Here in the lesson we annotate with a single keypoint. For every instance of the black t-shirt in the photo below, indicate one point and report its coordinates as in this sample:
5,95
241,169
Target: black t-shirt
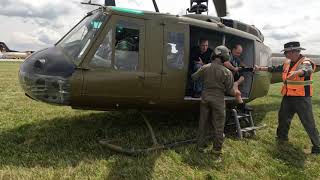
206,56
235,61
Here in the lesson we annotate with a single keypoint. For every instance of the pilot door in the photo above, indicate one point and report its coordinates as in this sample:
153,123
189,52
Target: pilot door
115,73
175,61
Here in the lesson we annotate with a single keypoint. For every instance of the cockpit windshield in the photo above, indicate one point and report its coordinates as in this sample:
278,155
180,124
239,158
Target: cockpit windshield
77,41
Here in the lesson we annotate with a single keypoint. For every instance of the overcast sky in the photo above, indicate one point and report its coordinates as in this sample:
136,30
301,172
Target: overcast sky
35,24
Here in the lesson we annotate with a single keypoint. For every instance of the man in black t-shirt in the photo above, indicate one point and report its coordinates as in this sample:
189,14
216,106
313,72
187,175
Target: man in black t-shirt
235,65
199,56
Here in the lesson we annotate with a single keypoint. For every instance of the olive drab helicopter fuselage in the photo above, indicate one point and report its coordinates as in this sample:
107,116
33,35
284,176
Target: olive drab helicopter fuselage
117,58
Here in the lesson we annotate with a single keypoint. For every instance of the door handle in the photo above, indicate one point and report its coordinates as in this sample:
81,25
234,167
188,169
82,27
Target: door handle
83,68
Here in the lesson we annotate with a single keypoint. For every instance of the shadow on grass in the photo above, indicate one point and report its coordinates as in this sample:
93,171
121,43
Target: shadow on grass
261,110
290,155
200,160
68,141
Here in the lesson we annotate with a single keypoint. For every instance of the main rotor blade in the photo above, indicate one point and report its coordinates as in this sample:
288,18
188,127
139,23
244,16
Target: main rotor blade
155,5
110,3
221,7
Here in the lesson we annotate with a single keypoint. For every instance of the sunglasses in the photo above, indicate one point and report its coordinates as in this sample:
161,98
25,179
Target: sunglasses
287,52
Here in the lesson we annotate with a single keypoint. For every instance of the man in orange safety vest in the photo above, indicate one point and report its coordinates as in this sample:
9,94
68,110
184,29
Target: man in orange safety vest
297,92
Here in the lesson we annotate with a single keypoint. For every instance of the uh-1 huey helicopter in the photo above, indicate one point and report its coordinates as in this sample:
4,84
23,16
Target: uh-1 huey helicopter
117,58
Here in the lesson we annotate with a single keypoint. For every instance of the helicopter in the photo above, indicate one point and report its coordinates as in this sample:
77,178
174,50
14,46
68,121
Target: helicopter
118,58
7,53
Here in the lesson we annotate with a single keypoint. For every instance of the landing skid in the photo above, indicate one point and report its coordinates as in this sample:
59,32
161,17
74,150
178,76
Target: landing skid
154,147
243,122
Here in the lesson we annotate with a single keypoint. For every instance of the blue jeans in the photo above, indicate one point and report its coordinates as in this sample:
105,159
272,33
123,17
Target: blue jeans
198,84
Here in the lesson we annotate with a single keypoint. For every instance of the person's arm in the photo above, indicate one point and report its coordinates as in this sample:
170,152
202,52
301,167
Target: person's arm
228,65
305,69
228,83
278,68
199,61
198,73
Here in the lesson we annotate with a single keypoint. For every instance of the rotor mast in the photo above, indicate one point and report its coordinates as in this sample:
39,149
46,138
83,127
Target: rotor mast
201,6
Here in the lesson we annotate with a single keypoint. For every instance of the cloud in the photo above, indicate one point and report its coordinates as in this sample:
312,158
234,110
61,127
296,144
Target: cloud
46,39
282,35
138,3
272,27
21,9
26,41
33,12
235,4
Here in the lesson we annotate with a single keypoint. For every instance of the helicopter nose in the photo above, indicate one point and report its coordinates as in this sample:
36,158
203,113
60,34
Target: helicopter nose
45,76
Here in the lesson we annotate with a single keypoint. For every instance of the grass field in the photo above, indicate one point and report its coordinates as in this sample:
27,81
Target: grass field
41,141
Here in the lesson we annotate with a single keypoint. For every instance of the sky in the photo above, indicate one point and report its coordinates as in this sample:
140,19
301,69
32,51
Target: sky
35,24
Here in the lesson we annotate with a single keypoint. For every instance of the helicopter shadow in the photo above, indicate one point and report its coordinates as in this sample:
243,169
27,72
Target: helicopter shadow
261,110
64,142
168,127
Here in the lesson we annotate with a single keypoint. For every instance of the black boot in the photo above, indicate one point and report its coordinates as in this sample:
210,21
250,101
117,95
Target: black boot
315,150
247,108
242,107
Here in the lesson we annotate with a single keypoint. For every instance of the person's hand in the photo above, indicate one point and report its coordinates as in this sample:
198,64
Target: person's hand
256,68
292,74
200,61
236,69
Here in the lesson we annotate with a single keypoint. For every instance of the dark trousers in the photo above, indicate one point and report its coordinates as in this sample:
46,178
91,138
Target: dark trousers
303,107
212,111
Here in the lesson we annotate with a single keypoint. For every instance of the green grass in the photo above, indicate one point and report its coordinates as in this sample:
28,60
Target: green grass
41,141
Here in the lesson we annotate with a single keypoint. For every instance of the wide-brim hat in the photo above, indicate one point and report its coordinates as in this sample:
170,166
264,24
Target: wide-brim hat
291,46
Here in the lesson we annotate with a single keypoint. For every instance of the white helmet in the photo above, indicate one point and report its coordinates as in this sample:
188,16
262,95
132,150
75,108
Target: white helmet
223,52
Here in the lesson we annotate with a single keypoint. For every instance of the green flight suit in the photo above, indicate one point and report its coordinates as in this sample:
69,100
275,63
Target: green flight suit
217,81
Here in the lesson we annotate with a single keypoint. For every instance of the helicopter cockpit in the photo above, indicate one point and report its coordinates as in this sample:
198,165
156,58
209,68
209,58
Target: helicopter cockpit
77,40
46,74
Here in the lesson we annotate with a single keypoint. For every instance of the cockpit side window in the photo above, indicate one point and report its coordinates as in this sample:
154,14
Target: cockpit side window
77,41
103,56
127,46
175,50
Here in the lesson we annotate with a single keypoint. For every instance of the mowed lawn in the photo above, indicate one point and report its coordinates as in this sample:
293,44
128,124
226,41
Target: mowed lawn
41,141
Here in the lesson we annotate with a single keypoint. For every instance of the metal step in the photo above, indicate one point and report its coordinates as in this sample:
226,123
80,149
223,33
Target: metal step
242,115
247,129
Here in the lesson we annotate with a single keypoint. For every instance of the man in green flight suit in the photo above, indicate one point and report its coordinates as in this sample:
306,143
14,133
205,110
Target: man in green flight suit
217,81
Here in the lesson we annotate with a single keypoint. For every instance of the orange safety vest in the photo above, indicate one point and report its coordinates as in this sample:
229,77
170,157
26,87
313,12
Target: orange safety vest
296,86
